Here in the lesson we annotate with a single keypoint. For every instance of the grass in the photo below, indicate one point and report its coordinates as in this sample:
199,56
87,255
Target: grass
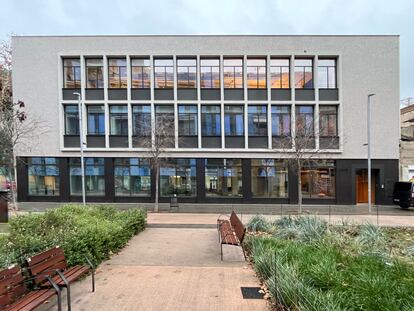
307,265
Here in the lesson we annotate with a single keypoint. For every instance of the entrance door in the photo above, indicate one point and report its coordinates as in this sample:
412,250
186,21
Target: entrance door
362,186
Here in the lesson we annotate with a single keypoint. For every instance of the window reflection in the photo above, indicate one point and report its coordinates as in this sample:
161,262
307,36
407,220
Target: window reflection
117,73
178,176
164,73
96,120
210,120
303,73
71,73
132,177
304,121
269,178
318,180
281,121
118,118
94,76
233,73
71,120
210,73
327,73
257,120
43,176
328,123
187,120
140,73
94,176
186,73
141,120
223,178
234,120
256,73
279,73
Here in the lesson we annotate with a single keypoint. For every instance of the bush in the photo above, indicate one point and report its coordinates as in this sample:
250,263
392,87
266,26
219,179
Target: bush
303,228
258,223
93,231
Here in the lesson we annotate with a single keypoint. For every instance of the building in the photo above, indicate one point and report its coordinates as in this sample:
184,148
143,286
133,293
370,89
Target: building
232,99
407,143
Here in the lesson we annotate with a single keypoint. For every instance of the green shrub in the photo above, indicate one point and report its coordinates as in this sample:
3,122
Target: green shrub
93,231
303,228
258,223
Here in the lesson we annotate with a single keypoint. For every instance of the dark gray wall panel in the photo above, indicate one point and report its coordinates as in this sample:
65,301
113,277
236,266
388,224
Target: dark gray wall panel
71,141
210,94
67,94
257,94
328,94
281,94
233,94
94,94
118,141
329,142
211,142
164,94
117,94
258,142
140,94
234,142
188,142
94,141
187,94
304,94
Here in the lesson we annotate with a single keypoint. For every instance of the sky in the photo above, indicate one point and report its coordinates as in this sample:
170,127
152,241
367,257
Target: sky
296,17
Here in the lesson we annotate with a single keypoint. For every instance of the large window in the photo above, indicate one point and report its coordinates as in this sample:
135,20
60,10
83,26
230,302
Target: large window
71,120
117,73
210,73
140,73
94,176
71,73
141,120
318,180
327,73
164,73
96,120
256,73
233,73
304,121
94,76
279,73
132,177
233,120
187,120
210,120
269,178
43,174
223,178
281,121
328,121
186,73
118,118
304,73
178,176
257,120
164,118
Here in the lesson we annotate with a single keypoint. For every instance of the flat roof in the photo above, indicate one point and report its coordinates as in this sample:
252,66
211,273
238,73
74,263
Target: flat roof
203,35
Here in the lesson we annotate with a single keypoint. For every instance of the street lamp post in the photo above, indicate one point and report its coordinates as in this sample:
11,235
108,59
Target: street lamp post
81,146
369,149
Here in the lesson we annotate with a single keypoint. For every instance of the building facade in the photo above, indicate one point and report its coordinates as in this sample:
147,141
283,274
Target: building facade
231,101
407,143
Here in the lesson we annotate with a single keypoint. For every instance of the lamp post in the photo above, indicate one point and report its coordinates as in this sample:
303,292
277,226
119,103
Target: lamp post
81,146
369,148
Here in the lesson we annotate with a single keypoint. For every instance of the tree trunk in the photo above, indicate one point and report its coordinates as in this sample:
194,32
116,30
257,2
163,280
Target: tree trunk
12,179
156,187
299,168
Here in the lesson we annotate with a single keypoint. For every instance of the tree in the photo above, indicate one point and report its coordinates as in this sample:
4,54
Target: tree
156,136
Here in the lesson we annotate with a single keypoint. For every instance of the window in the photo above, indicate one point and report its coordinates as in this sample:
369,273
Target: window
223,178
178,176
71,73
141,120
164,73
303,73
269,178
256,73
140,73
279,73
233,120
132,177
94,176
210,73
118,118
328,124
117,73
187,120
233,73
257,120
96,120
281,121
43,174
327,73
210,120
164,118
318,180
186,73
71,120
304,121
94,76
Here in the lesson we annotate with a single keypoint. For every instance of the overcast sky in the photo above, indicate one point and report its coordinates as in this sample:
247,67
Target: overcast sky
64,17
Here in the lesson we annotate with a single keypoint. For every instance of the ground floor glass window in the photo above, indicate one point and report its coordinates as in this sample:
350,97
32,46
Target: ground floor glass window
178,176
94,176
132,177
223,178
43,176
269,178
318,180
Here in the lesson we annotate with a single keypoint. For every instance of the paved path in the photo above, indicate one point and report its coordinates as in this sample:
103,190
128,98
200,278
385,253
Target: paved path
173,269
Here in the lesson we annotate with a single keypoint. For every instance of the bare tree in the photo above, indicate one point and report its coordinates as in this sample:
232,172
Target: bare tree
156,136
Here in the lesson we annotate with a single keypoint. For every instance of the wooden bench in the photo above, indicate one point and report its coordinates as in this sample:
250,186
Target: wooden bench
231,231
52,264
14,294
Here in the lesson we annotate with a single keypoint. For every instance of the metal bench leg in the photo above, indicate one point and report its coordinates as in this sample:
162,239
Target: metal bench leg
58,293
244,252
67,289
93,273
221,244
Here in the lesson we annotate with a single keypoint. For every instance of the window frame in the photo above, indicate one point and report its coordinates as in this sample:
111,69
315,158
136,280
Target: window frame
258,131
233,76
281,119
188,85
328,115
112,114
143,115
145,84
328,87
257,74
43,168
234,114
77,132
88,114
212,86
164,73
140,163
303,74
186,132
305,114
225,165
119,69
272,74
214,116
97,69
77,82
279,167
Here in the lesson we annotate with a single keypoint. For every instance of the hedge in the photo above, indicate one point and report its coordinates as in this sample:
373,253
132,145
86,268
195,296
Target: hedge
93,231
